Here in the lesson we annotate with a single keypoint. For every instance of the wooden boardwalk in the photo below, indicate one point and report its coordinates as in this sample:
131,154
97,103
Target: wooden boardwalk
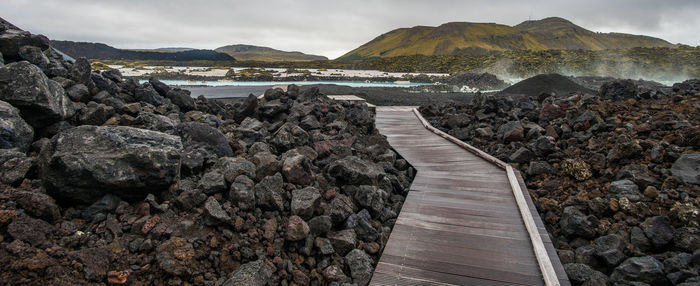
460,223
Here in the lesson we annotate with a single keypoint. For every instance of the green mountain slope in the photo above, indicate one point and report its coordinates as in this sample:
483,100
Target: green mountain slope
265,54
461,37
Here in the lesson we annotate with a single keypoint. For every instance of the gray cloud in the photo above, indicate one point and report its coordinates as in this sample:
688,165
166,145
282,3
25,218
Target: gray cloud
329,28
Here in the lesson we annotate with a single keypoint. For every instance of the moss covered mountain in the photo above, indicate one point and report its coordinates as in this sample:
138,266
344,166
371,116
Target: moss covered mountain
265,54
475,38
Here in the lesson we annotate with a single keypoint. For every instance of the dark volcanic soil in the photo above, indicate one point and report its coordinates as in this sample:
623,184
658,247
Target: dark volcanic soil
545,83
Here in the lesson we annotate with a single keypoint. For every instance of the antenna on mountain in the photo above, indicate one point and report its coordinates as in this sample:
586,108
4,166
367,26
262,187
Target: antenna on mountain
529,18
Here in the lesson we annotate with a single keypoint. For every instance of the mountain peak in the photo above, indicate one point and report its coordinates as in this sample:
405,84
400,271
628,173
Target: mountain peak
553,33
266,54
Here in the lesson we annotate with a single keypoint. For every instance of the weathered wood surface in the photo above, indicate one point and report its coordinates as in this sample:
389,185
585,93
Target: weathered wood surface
460,224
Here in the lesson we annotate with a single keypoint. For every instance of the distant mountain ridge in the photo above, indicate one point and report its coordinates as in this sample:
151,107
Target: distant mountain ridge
464,37
266,54
99,51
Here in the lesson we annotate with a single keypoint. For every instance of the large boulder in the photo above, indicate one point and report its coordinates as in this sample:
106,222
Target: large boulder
41,101
181,98
355,171
687,168
14,131
84,163
256,273
643,269
200,135
12,40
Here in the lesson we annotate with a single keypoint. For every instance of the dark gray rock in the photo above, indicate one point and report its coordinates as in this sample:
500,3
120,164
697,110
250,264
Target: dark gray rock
155,122
269,193
658,229
639,240
241,192
147,94
266,164
256,273
212,182
234,167
247,108
522,155
610,248
362,224
40,100
343,241
14,131
618,90
159,86
355,171
625,189
305,201
580,273
324,245
370,197
84,163
687,168
80,72
340,208
101,83
214,211
687,238
360,265
104,205
34,55
30,230
574,223
95,113
113,74
643,269
181,98
289,136
199,135
14,167
79,92
512,131
539,167
297,170
320,225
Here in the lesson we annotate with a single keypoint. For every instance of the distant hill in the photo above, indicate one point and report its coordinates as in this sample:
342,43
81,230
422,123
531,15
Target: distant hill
463,37
99,51
265,54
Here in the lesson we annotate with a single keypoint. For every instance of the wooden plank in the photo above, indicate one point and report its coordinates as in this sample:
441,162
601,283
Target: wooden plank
460,223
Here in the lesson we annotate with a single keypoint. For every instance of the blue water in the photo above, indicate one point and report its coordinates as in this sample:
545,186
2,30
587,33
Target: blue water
269,83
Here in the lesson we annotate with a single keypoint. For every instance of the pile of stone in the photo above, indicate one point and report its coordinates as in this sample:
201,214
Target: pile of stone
110,180
615,174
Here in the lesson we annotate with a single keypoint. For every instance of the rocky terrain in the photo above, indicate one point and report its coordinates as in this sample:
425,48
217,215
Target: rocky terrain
615,174
105,180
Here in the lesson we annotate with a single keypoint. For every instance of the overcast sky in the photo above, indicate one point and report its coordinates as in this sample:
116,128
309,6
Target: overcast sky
329,28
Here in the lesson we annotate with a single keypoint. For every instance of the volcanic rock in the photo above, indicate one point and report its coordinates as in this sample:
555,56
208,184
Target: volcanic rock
84,163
